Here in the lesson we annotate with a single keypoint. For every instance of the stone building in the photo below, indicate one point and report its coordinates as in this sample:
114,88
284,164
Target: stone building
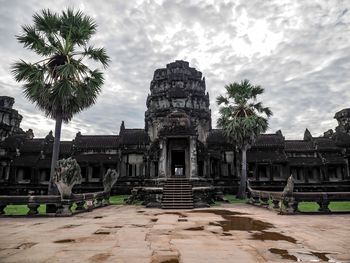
177,141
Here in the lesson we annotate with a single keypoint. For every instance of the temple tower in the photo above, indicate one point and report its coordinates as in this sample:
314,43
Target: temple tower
178,117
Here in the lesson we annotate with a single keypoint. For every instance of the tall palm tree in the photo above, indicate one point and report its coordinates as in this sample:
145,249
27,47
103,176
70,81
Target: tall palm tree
242,119
60,83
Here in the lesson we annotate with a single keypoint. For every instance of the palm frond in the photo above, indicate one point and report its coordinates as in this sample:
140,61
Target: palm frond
32,39
97,54
47,22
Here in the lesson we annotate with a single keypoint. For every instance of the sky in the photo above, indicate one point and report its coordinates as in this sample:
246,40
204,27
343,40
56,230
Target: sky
298,51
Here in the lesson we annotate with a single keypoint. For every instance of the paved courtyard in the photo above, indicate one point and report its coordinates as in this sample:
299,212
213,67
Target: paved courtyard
231,233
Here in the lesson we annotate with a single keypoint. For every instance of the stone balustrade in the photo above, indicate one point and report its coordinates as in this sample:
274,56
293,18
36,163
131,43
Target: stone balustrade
288,204
84,202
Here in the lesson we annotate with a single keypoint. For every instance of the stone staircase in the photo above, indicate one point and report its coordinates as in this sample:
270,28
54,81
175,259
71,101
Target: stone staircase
177,194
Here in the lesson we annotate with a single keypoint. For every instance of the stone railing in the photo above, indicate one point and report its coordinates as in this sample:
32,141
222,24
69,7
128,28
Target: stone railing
84,202
288,203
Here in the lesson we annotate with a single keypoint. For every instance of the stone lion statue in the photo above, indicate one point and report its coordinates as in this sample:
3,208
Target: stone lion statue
67,174
109,179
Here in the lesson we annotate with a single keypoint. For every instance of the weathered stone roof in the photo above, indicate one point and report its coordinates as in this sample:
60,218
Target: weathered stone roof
134,137
304,161
299,146
97,158
96,141
269,140
25,160
324,144
31,146
216,136
266,156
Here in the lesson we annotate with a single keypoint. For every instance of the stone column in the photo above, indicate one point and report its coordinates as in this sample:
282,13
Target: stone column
162,159
193,157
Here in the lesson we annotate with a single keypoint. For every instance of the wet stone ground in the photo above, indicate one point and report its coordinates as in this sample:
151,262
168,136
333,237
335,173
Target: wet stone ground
232,233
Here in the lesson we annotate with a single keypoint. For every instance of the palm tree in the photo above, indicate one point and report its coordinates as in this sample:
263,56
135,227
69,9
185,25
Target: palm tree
60,83
242,119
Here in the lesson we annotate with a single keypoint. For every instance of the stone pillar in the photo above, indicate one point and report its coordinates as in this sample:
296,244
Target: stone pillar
193,157
162,159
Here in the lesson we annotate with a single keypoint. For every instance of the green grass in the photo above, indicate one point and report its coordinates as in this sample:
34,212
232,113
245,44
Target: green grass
308,207
232,200
333,206
117,199
23,209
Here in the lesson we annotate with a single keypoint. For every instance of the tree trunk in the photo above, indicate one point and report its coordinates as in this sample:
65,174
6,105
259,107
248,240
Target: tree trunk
55,153
243,183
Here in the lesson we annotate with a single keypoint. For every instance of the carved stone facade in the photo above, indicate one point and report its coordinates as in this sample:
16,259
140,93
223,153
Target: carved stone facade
10,119
178,141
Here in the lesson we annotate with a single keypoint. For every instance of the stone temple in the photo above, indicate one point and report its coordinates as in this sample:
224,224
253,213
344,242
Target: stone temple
177,141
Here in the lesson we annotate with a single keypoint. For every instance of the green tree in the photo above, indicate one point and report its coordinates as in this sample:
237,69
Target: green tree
60,83
242,119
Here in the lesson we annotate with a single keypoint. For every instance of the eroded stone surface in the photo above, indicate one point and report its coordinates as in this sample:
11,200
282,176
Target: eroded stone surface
138,237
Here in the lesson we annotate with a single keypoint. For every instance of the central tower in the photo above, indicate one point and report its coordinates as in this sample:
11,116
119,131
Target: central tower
178,117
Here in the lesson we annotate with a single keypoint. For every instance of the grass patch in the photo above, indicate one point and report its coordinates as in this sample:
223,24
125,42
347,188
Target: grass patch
339,206
15,210
308,207
234,200
333,206
118,199
19,210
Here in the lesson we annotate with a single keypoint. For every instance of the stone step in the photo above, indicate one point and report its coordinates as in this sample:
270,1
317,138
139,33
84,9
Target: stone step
177,207
177,194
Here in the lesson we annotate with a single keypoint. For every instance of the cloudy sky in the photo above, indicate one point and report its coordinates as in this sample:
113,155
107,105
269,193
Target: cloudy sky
299,51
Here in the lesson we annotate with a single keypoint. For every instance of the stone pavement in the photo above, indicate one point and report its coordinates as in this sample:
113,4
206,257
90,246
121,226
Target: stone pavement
231,233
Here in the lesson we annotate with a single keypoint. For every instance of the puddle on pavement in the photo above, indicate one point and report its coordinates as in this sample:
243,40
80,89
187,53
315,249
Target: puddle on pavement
283,253
196,228
240,223
173,260
67,240
319,256
172,213
112,226
100,257
220,212
102,232
26,245
272,236
68,226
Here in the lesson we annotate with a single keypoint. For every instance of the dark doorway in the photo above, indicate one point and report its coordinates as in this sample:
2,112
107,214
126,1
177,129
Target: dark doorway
177,163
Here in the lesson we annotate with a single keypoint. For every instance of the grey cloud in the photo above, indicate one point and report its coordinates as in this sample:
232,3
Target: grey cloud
305,76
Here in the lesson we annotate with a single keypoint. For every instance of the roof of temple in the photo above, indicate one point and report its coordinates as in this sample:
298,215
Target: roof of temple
33,145
304,161
96,141
216,136
134,137
13,141
333,159
97,158
298,146
265,156
25,160
325,144
269,140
